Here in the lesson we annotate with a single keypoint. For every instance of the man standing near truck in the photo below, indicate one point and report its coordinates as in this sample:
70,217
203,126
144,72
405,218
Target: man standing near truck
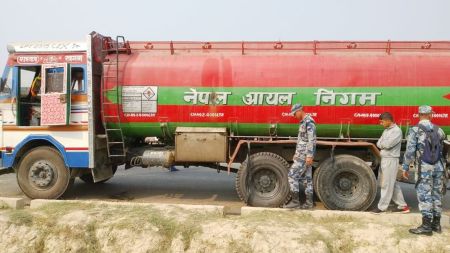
425,144
390,144
301,169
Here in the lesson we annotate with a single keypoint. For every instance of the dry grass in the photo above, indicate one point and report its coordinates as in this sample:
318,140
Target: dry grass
3,205
334,234
285,218
92,242
239,246
62,208
20,218
103,224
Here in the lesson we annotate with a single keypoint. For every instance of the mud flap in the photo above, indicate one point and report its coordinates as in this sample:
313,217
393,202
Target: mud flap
103,167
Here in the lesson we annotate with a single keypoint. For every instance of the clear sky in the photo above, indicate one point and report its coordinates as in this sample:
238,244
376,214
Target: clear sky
31,20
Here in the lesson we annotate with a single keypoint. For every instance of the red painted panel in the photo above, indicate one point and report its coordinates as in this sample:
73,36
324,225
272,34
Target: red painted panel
287,70
280,114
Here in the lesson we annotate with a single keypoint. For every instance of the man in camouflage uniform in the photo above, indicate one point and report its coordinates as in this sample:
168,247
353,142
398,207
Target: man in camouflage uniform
430,185
301,169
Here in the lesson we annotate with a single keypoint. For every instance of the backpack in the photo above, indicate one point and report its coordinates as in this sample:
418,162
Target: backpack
433,147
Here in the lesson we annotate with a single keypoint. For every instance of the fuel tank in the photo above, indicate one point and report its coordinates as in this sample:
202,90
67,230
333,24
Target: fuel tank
249,87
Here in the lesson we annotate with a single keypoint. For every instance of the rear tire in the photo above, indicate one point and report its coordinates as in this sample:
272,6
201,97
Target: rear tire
315,182
42,174
349,184
268,185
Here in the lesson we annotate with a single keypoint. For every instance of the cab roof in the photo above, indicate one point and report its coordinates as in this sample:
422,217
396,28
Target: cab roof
47,46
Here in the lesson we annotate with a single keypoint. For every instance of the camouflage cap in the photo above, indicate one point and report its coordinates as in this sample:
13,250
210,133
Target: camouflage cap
295,108
425,109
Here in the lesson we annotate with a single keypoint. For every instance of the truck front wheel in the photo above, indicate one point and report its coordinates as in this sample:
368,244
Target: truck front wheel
263,181
42,174
345,183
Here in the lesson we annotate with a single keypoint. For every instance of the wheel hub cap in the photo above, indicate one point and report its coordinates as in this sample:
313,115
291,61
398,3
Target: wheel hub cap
265,181
41,174
345,184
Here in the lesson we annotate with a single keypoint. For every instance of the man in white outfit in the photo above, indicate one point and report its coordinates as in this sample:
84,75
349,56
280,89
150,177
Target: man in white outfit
390,145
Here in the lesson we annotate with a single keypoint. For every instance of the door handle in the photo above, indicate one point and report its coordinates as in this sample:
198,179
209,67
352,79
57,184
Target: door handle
62,98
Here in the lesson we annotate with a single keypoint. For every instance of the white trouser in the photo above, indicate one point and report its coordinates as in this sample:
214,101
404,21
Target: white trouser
390,188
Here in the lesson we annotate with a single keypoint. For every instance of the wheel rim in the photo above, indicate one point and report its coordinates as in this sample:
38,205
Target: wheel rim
265,183
346,185
42,175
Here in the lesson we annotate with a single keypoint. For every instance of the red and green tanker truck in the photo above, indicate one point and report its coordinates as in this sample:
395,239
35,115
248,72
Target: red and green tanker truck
80,109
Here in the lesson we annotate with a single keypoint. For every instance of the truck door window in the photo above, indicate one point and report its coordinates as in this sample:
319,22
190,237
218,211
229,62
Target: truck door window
54,80
29,94
77,81
29,78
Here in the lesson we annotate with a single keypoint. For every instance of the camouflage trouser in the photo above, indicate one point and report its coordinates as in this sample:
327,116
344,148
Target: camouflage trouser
300,172
429,191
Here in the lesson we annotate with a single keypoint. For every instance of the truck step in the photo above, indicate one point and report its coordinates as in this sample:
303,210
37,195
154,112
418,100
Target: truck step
116,155
112,62
113,129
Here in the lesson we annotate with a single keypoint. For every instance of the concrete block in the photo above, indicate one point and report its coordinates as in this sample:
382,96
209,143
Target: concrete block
37,203
167,206
15,203
249,210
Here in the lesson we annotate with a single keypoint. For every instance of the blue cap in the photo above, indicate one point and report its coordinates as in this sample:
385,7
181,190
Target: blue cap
425,109
295,108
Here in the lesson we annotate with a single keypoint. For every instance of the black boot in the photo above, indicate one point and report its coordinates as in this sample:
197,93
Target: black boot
424,229
309,204
436,224
294,203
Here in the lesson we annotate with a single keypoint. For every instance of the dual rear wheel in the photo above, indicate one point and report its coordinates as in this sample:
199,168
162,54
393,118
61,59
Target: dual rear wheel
343,183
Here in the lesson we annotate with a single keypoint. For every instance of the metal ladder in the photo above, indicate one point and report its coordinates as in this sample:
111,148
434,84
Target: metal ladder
111,110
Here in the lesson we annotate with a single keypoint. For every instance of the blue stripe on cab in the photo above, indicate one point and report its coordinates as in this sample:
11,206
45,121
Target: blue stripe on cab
78,159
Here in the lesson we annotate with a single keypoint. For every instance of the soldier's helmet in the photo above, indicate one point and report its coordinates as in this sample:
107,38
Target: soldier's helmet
295,108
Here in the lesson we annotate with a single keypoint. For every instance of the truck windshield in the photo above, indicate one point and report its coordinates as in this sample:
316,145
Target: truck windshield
6,82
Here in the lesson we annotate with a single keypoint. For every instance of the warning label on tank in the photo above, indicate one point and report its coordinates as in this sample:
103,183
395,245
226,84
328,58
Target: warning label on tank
139,100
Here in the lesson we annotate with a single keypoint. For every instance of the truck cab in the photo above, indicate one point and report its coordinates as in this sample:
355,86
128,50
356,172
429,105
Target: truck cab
44,111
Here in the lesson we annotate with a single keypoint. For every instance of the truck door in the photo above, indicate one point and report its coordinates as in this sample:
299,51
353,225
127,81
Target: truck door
7,105
55,95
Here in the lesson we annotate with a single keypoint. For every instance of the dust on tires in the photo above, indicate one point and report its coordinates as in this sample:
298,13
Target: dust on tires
347,183
267,185
42,174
